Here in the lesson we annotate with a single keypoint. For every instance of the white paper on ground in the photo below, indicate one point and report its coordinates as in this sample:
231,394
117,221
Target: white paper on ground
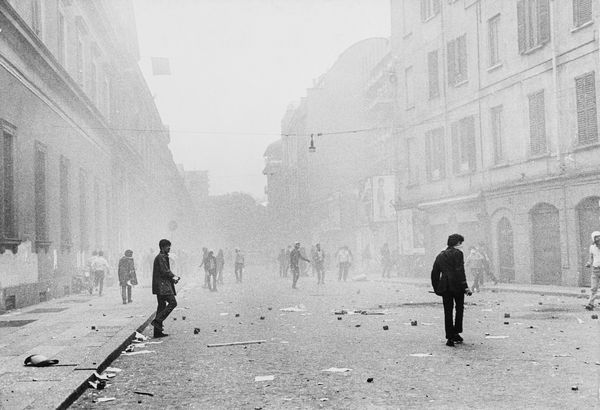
113,369
264,378
138,352
105,399
421,354
337,370
496,337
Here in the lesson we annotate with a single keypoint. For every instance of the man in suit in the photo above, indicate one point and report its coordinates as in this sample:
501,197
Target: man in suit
163,286
449,281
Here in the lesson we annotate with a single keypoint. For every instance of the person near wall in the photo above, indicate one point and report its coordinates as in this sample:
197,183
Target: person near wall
594,263
449,281
127,276
163,286
344,260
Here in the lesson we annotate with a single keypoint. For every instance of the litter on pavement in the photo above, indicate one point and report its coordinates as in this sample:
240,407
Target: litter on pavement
264,378
421,354
138,352
496,337
38,360
113,369
104,399
140,337
297,308
249,342
337,370
223,314
144,393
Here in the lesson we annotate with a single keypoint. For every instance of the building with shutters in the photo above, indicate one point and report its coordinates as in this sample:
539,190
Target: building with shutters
499,132
84,161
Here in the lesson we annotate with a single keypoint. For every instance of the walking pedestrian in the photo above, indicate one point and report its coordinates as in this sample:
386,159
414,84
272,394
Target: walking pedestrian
100,268
127,276
449,281
220,266
475,265
344,259
386,261
163,286
594,263
319,264
295,257
211,265
240,262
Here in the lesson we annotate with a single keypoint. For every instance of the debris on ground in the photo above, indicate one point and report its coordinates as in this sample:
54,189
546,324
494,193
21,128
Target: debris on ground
38,360
97,384
506,315
113,370
297,308
496,337
138,352
594,316
339,318
264,378
196,330
262,318
386,327
104,399
413,322
370,380
140,337
144,393
574,388
421,355
579,321
324,399
337,370
561,355
249,342
225,314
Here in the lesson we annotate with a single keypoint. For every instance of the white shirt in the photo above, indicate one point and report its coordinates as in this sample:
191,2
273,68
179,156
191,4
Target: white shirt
595,251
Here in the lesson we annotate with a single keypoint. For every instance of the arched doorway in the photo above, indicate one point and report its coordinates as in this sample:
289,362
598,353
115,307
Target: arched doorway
506,255
547,266
588,221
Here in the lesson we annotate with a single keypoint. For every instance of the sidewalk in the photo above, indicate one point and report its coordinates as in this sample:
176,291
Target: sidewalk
62,329
505,287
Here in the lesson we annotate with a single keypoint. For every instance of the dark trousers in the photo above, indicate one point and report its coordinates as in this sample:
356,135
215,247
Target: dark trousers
126,293
239,268
453,301
99,281
344,268
320,272
166,304
212,277
295,275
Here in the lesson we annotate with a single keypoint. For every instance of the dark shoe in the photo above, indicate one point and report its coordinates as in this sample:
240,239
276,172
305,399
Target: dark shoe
124,302
159,334
130,300
458,339
449,342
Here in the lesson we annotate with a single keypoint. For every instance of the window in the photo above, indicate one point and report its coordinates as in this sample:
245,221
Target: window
436,164
411,161
62,38
8,226
83,212
537,124
65,209
41,212
36,17
533,24
429,9
434,82
582,12
463,145
409,87
496,124
587,119
457,60
493,33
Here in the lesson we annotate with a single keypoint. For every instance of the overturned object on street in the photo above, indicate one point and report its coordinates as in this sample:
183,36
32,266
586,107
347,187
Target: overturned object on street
38,360
249,342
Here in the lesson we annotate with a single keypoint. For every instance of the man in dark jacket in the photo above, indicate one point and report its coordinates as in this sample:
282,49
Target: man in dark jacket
127,276
449,281
163,286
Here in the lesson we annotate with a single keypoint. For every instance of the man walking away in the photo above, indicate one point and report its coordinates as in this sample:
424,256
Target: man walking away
344,261
319,263
211,263
127,276
449,281
594,263
100,269
239,265
163,286
220,266
295,257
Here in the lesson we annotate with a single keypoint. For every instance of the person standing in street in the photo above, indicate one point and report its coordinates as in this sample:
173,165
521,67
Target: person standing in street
319,264
211,266
127,276
163,286
295,257
474,263
100,268
344,259
594,263
239,265
449,281
220,266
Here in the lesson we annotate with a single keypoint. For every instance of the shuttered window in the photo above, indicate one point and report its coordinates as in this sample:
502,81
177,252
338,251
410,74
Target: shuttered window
436,164
533,22
582,12
8,226
537,124
457,60
493,40
496,131
434,83
65,209
587,118
429,9
463,145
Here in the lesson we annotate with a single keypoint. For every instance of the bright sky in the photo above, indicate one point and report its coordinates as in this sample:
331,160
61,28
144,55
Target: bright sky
236,65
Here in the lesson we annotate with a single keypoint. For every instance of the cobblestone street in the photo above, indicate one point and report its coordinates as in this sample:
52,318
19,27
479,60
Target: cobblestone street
545,355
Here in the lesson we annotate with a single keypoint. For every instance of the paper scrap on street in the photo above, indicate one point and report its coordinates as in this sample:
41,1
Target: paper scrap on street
264,378
139,336
105,399
562,355
248,342
297,308
421,354
138,352
223,314
579,320
496,337
113,369
337,370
